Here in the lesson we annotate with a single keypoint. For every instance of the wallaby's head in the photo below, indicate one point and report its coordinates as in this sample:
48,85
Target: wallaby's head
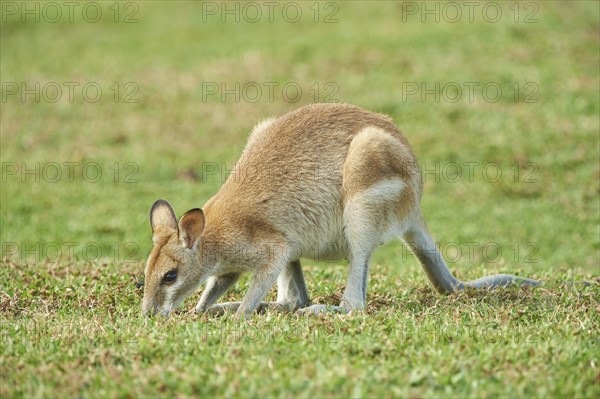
174,270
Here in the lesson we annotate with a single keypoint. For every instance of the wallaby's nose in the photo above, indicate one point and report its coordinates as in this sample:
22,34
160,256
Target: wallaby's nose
151,311
148,309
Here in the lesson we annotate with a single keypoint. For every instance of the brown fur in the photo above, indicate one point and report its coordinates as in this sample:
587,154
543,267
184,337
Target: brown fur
324,181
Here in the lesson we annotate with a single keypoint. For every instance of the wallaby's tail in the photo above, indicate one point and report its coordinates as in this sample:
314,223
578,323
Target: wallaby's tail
420,242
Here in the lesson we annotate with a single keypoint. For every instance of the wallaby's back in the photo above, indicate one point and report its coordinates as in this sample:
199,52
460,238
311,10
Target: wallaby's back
291,171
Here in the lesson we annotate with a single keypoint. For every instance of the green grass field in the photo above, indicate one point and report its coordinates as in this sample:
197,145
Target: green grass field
110,106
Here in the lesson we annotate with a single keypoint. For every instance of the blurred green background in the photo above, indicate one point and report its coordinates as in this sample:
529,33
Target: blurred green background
185,85
164,92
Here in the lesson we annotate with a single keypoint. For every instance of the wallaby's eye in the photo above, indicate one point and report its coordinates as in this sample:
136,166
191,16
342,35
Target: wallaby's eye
170,276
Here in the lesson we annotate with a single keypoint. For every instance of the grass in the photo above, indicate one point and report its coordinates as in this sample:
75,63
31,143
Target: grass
73,246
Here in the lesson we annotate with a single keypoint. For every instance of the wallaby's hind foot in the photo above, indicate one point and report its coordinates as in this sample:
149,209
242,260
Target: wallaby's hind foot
498,280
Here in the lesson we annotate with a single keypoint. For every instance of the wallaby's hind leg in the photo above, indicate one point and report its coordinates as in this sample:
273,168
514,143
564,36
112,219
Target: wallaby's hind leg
355,294
369,217
378,196
362,226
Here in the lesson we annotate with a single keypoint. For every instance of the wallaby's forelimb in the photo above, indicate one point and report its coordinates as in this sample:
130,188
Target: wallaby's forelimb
262,281
291,287
215,287
291,292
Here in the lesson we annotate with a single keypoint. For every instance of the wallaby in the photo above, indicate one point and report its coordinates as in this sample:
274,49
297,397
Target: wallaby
326,181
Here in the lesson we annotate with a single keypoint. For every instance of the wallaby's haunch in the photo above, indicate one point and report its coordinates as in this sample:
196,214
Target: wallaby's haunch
327,181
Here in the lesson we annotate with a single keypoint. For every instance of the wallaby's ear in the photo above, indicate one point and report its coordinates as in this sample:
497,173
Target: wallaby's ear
161,214
191,226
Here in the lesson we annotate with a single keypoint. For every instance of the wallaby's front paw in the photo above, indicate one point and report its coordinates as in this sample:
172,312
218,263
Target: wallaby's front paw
275,307
200,309
221,308
321,309
265,307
